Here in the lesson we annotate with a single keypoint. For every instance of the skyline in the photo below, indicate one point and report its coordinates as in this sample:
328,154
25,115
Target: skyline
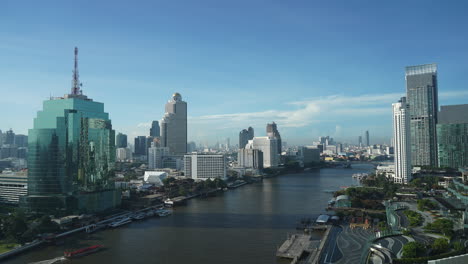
311,76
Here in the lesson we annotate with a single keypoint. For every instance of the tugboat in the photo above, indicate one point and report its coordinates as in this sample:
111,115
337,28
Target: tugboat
82,252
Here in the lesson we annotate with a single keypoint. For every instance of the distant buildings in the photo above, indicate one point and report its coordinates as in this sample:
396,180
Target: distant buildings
402,141
272,132
71,156
244,136
123,154
452,136
360,141
174,126
202,167
191,147
9,138
250,158
155,130
421,90
121,141
269,147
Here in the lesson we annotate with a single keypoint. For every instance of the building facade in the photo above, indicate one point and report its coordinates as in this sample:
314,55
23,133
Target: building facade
202,167
250,158
269,147
309,155
13,185
452,136
140,145
402,141
367,138
174,126
421,91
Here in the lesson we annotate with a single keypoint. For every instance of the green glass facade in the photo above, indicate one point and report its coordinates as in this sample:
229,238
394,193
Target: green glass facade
71,158
452,141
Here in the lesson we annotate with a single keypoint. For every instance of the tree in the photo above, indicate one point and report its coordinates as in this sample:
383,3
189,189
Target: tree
442,226
440,245
413,250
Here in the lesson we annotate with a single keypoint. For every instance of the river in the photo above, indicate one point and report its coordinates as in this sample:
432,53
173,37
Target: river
245,225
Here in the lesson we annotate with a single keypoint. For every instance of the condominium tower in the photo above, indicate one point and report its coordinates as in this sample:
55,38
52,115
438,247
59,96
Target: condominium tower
402,141
421,91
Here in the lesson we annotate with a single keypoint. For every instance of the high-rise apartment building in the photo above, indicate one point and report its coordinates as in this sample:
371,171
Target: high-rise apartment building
140,145
121,141
402,141
202,167
174,126
156,156
421,91
71,156
452,136
272,131
155,130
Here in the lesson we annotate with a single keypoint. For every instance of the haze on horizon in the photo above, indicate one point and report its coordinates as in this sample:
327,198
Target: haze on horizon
330,68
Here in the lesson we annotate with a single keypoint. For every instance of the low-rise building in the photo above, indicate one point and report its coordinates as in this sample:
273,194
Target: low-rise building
13,185
154,177
202,166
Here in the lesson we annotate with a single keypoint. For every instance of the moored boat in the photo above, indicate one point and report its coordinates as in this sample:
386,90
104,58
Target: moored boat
82,252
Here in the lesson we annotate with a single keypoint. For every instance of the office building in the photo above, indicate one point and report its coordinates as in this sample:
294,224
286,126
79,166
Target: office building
191,147
250,158
71,156
156,156
421,91
155,130
13,185
9,138
174,126
202,167
269,147
121,141
452,136
402,141
272,132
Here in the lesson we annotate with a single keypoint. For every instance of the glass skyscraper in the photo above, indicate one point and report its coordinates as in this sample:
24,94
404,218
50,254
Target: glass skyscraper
421,90
71,157
452,136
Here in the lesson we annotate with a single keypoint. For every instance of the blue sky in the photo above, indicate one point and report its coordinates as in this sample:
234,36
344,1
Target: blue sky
314,67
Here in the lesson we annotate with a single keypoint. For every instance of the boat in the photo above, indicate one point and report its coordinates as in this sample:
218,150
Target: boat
164,213
120,222
82,252
168,203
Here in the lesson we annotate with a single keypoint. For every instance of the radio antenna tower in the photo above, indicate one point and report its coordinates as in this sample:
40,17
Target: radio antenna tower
76,90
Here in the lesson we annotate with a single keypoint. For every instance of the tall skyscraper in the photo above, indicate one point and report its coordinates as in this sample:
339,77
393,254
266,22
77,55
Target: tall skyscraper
244,136
367,138
121,140
272,131
452,136
360,141
421,91
71,156
174,125
155,130
402,141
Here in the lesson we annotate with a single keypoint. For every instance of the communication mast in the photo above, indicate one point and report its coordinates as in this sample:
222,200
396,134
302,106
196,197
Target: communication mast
76,90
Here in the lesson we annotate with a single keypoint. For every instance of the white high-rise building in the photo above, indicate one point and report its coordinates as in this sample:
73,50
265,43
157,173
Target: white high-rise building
123,154
156,156
402,141
202,167
269,147
250,158
174,126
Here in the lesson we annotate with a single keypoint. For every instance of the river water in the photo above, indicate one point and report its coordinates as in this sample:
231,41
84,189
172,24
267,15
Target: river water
245,225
